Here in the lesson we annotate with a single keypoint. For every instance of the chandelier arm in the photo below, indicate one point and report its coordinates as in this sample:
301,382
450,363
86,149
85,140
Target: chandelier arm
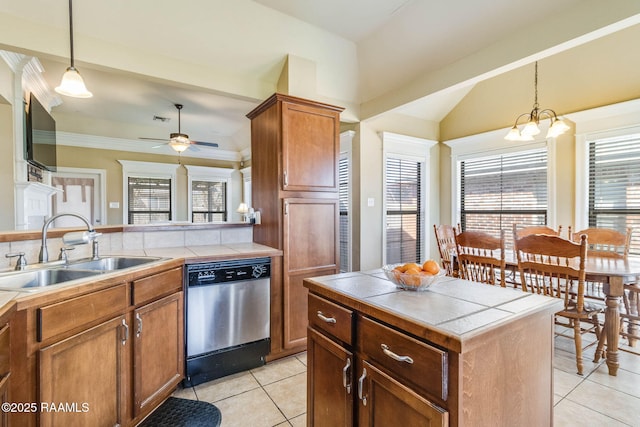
550,114
530,115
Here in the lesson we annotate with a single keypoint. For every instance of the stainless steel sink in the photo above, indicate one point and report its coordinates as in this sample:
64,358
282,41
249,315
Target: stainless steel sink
111,263
41,278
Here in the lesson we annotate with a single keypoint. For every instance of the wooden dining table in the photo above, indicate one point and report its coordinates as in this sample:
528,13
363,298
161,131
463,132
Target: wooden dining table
613,273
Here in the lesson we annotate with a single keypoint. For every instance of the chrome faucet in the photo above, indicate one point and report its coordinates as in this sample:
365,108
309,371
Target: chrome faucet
92,235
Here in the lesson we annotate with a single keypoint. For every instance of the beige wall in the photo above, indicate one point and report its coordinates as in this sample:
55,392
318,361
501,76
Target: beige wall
368,183
6,165
602,72
77,157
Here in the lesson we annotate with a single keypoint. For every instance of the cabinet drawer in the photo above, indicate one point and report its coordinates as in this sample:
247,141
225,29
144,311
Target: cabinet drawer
67,315
153,287
427,369
331,318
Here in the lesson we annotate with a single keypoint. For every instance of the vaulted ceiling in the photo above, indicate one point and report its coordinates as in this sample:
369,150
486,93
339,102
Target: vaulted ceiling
221,58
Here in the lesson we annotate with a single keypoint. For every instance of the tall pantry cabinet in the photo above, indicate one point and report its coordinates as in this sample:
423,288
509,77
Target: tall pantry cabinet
294,172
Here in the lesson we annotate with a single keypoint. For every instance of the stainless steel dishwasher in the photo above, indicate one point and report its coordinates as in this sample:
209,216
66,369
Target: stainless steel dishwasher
227,317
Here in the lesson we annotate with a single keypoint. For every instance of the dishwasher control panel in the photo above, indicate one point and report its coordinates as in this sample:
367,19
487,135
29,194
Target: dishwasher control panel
201,274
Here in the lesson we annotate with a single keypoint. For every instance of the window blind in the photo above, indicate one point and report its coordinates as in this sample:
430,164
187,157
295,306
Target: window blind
403,211
614,185
208,201
149,200
501,190
343,190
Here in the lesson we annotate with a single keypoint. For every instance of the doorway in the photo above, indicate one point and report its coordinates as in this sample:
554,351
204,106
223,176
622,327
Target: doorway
82,193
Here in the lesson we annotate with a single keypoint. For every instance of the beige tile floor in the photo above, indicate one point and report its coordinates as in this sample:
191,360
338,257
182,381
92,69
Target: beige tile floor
275,394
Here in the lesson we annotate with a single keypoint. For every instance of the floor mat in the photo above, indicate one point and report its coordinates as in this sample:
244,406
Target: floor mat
175,412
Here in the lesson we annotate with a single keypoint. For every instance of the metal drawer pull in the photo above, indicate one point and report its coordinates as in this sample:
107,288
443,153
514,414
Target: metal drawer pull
361,386
344,376
391,354
325,318
126,332
139,319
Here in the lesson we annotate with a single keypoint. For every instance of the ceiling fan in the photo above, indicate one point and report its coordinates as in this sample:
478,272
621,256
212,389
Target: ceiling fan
180,141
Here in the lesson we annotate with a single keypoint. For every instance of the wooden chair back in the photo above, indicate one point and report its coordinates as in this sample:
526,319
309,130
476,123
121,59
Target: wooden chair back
518,233
481,257
606,242
553,266
445,236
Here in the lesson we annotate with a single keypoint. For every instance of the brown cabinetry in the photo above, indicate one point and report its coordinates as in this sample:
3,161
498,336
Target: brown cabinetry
84,373
109,356
5,364
157,348
294,169
381,384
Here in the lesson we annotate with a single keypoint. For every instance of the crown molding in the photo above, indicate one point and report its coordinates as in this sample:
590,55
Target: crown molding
139,146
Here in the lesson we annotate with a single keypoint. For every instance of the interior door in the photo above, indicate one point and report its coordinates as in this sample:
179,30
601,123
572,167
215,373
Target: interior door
81,194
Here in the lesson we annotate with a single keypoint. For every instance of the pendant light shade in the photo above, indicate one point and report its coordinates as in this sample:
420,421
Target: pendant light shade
72,83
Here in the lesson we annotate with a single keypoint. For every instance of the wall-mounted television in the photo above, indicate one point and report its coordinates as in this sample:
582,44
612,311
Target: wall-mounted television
40,136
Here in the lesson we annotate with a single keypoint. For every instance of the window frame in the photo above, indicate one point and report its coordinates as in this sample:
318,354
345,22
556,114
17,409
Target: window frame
137,169
209,174
492,143
602,122
412,149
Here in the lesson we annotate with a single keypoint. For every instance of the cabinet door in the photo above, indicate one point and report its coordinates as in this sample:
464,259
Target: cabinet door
383,401
310,148
158,350
87,374
310,249
329,383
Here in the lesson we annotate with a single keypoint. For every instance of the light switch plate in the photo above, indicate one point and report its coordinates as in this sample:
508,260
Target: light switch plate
370,202
114,205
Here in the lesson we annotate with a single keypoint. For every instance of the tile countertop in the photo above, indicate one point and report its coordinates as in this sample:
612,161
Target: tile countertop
451,313
187,255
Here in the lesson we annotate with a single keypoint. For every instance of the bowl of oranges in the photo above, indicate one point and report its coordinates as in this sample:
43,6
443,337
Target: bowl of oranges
413,276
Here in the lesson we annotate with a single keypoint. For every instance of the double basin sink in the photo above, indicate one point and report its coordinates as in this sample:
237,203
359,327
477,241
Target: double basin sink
46,275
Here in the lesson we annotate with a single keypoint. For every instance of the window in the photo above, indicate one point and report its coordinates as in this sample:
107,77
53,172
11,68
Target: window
209,201
404,222
345,229
149,200
500,190
614,184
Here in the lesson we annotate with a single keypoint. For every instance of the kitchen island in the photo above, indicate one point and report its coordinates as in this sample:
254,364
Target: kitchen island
459,354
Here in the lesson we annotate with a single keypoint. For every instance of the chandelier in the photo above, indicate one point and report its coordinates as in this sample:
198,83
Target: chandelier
531,129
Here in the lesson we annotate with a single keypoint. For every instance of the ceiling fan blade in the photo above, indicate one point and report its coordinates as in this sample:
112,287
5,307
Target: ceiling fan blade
159,145
152,139
206,144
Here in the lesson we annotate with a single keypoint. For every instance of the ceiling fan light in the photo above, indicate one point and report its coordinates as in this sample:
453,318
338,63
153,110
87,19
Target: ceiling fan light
73,85
178,146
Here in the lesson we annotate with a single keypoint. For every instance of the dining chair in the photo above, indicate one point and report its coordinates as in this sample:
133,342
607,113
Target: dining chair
481,257
610,243
446,240
553,266
535,229
605,242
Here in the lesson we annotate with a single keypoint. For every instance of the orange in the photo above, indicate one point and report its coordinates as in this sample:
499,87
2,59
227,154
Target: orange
412,279
431,267
413,270
413,265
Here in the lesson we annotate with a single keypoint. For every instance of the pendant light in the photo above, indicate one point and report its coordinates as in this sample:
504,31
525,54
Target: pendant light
531,129
72,83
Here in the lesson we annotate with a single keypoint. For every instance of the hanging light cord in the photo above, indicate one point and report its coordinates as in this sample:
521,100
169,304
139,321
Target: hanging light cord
71,32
